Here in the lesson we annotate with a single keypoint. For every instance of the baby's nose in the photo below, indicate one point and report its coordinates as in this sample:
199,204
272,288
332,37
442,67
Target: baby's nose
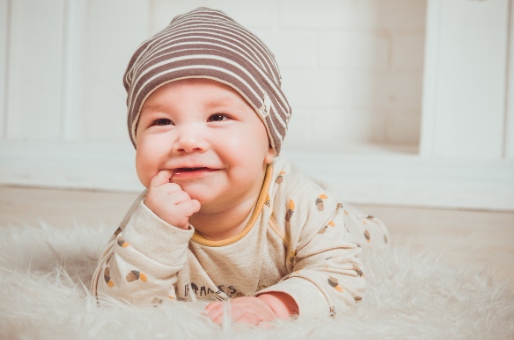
190,140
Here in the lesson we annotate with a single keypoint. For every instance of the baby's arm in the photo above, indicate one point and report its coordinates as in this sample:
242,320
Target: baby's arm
142,258
326,274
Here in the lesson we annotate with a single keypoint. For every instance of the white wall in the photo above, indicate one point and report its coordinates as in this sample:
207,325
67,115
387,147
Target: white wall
358,75
466,88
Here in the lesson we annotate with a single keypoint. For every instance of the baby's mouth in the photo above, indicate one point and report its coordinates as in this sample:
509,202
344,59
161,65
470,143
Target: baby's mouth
192,172
191,169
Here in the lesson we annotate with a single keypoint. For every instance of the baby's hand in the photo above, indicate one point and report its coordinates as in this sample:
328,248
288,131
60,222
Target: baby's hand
248,309
169,202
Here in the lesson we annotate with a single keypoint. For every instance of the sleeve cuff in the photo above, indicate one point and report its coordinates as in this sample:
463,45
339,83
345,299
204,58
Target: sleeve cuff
148,233
311,301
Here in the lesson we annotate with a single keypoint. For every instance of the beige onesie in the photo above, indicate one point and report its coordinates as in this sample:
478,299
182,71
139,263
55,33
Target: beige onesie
299,239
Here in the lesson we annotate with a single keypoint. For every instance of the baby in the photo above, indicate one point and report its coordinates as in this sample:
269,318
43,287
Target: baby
224,217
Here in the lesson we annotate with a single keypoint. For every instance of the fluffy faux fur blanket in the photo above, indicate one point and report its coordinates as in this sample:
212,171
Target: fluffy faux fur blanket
46,272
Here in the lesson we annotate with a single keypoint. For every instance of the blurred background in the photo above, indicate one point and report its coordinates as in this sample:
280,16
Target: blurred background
395,102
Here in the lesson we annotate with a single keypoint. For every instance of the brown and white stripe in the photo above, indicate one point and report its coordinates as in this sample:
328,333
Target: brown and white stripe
206,43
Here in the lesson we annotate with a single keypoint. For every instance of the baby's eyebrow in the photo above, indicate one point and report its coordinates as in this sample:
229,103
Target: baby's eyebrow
223,103
152,107
218,102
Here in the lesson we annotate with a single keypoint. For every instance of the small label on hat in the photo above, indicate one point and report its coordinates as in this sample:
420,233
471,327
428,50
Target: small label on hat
266,105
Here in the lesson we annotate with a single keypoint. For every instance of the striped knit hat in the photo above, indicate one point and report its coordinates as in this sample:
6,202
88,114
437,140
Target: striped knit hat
206,43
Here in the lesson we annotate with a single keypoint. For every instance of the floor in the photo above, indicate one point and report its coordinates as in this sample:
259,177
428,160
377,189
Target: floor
462,236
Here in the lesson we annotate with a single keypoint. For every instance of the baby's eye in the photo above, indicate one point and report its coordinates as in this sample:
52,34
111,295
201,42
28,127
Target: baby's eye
162,122
218,117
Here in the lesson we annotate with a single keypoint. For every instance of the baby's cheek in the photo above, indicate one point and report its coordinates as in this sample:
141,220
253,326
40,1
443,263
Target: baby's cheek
143,168
142,178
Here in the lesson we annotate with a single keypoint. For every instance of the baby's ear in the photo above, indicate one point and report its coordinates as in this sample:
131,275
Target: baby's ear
270,156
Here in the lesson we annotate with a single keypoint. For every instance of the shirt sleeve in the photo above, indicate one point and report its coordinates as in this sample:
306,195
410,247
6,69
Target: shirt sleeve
326,274
140,263
367,229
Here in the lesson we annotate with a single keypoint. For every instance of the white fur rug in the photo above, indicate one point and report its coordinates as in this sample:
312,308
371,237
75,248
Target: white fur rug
45,274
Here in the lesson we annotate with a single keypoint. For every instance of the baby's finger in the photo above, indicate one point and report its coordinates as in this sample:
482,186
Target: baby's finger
218,319
211,306
221,317
161,178
177,197
250,318
264,325
196,206
189,207
216,315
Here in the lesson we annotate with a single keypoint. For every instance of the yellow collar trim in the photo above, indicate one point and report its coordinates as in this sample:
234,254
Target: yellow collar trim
256,213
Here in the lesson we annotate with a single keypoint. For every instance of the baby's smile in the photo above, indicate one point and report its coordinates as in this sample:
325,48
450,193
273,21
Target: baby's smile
192,172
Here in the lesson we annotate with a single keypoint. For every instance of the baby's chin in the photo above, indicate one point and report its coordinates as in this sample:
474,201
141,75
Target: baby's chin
208,204
208,209
205,193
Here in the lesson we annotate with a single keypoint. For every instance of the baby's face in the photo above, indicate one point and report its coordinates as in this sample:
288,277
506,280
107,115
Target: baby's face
209,136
